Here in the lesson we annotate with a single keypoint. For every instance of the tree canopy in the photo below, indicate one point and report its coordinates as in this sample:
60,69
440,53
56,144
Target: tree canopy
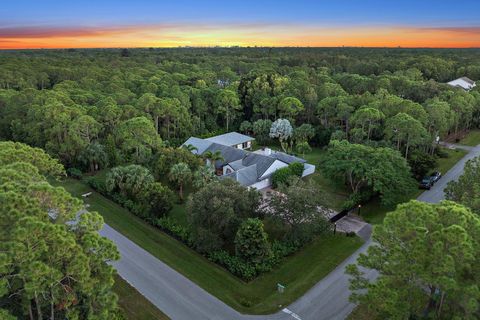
428,264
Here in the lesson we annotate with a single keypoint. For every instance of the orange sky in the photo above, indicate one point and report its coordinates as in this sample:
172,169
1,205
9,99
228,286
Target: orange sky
171,35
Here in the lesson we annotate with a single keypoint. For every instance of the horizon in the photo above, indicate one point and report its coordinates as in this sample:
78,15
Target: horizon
185,23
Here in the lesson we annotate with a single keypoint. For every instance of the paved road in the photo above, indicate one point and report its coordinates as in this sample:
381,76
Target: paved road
180,298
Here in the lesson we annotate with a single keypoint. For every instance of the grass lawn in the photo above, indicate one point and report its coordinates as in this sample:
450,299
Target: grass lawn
471,139
298,272
374,212
134,305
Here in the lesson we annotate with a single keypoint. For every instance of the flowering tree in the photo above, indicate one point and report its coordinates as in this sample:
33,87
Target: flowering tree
282,130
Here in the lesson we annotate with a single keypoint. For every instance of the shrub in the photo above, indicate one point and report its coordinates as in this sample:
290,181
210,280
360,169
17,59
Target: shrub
177,231
251,241
441,153
75,173
281,176
233,264
98,184
296,168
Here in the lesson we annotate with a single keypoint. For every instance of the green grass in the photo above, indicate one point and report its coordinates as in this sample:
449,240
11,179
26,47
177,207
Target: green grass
444,164
471,139
298,272
134,305
374,212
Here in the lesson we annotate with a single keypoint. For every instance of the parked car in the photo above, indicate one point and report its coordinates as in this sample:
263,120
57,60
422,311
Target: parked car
436,176
426,183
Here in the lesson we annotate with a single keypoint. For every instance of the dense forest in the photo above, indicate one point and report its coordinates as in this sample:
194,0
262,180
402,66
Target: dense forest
101,108
66,100
116,118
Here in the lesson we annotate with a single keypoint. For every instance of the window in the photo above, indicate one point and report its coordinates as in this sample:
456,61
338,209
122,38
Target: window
246,145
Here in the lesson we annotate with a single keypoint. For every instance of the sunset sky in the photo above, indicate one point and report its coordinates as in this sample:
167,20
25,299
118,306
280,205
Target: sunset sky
143,23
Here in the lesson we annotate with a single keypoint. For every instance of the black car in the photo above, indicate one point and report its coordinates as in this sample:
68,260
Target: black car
426,183
436,176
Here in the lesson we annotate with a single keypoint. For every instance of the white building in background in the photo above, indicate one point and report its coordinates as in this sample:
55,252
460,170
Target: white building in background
251,169
463,82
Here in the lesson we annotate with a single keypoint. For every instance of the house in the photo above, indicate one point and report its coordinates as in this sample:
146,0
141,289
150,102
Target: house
463,82
251,169
233,139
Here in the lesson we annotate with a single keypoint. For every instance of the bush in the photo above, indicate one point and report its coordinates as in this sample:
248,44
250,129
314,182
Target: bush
74,173
234,264
283,175
296,168
98,184
441,153
177,231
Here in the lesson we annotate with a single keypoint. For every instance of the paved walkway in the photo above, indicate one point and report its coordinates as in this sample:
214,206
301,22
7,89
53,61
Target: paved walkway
180,298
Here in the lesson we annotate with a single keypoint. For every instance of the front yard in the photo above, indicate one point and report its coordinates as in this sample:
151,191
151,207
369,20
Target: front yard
298,272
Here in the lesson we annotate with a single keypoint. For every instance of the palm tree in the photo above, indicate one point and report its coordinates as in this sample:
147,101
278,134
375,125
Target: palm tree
180,174
190,147
203,176
94,156
213,157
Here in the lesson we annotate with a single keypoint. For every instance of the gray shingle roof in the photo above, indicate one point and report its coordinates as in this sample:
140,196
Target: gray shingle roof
286,157
229,154
237,164
230,139
248,175
200,144
468,80
245,176
261,161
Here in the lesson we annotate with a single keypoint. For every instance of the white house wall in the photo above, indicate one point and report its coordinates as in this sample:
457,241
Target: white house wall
274,167
308,169
261,184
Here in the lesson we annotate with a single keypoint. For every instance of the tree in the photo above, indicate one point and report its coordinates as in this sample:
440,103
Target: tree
137,139
428,264
213,157
50,267
158,199
297,206
246,127
216,211
289,107
364,168
261,130
367,119
190,147
303,147
405,130
167,157
203,176
228,104
131,181
180,174
94,157
303,133
251,242
11,152
466,190
283,131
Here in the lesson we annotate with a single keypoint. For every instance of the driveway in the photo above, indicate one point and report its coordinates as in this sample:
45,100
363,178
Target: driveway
180,298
